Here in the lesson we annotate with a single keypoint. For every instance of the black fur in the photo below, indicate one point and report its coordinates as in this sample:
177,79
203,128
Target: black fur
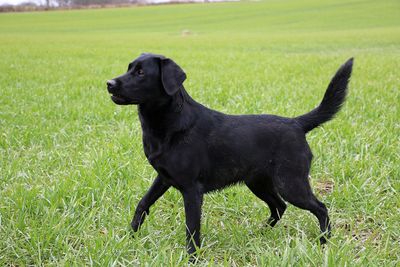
197,150
332,102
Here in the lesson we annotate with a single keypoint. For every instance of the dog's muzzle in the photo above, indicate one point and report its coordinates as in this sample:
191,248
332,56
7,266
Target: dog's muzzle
111,85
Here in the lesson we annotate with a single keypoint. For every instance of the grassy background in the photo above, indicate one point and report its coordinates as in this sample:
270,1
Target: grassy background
71,162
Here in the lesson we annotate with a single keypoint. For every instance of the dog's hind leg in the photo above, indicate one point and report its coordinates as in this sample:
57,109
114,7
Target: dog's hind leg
266,192
157,189
292,181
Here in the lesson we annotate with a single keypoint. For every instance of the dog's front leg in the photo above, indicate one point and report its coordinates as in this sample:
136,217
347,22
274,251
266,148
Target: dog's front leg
193,199
157,189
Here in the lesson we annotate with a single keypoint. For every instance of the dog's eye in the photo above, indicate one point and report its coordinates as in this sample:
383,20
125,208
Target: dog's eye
140,72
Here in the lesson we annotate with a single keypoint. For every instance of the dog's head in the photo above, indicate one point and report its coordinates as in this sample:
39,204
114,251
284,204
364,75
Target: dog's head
149,77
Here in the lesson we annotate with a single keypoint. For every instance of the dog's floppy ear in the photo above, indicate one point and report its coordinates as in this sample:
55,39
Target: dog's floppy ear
172,76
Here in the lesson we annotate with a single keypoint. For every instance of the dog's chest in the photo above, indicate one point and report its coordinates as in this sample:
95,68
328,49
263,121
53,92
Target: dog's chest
154,149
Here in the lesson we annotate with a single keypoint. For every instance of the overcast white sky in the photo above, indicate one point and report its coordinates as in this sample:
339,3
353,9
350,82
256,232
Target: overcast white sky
16,2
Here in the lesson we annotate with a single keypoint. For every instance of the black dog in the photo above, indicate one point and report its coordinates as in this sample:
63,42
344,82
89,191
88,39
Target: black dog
198,150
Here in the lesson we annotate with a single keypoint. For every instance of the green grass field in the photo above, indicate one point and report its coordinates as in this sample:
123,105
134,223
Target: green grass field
72,167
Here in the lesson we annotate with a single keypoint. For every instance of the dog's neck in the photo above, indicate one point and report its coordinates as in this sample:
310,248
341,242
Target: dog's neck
164,116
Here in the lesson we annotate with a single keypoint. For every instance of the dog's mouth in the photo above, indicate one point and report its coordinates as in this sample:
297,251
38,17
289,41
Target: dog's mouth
121,100
117,98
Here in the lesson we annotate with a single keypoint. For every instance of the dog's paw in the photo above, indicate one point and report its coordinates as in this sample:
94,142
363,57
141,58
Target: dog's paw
130,232
138,220
135,225
324,239
325,236
271,222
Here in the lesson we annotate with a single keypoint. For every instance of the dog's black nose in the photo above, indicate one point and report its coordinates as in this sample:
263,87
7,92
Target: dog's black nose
111,83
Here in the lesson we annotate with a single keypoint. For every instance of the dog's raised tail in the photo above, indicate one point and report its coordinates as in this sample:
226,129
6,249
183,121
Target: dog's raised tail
333,99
